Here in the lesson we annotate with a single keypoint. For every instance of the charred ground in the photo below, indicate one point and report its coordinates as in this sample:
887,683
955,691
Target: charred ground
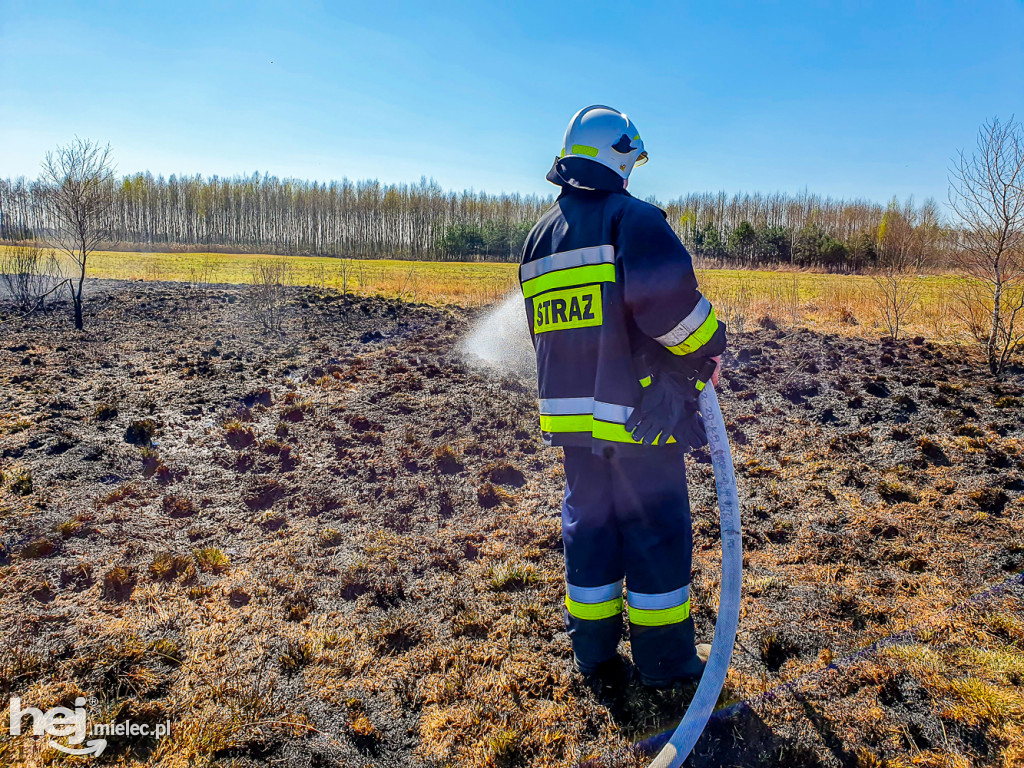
340,545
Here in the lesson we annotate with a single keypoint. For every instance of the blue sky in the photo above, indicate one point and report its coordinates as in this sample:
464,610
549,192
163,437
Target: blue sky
855,99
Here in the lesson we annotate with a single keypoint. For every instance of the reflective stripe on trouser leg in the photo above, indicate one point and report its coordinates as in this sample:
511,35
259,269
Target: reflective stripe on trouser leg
652,510
594,603
659,609
593,560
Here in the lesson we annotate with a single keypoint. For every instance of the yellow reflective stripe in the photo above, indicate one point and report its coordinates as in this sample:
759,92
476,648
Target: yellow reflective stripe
582,422
563,278
659,617
585,422
602,430
583,149
698,338
700,385
616,433
594,611
612,432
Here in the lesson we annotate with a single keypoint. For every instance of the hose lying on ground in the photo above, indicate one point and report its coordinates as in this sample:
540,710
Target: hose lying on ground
692,725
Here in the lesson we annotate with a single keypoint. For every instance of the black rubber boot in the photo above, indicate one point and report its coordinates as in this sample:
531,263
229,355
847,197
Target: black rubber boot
607,677
690,673
664,654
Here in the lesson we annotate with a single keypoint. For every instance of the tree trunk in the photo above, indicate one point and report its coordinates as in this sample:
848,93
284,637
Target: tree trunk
993,337
79,321
78,310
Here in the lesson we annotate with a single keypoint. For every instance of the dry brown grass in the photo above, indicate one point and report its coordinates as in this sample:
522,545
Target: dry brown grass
973,667
845,304
316,606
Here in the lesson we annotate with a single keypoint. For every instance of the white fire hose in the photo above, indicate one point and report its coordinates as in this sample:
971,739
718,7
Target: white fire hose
697,714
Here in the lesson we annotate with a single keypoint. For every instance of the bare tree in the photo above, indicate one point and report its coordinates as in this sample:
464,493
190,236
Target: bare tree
78,177
987,197
29,275
901,251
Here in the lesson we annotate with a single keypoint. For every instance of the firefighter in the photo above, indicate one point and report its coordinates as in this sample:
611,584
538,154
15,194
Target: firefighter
625,341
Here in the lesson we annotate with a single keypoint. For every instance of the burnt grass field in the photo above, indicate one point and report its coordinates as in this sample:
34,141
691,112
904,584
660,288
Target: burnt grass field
339,545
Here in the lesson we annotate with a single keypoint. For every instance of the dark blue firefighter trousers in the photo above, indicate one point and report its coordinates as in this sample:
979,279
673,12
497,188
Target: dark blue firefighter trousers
629,519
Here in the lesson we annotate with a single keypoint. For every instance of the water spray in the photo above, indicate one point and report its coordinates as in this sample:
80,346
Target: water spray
500,339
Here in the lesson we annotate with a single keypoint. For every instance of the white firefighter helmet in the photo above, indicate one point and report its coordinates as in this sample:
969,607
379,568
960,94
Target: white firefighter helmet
606,136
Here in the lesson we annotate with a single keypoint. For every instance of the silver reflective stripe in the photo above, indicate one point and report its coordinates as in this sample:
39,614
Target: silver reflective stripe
687,325
594,594
617,414
569,406
580,257
658,601
566,406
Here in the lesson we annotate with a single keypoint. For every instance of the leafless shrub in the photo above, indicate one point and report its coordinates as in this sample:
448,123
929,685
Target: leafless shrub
266,293
735,306
200,274
987,197
199,277
409,286
360,275
29,275
936,315
973,309
353,277
318,277
897,294
155,272
794,306
346,265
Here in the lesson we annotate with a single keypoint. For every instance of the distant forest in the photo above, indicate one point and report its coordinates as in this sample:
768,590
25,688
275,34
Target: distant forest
367,219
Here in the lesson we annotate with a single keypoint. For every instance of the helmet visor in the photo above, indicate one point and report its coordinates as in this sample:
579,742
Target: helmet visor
641,158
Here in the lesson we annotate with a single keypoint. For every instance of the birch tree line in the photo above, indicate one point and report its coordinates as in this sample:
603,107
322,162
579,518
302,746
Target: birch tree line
367,219
264,214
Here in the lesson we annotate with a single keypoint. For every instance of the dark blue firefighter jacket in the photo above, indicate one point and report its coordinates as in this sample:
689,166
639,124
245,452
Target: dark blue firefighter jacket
611,298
